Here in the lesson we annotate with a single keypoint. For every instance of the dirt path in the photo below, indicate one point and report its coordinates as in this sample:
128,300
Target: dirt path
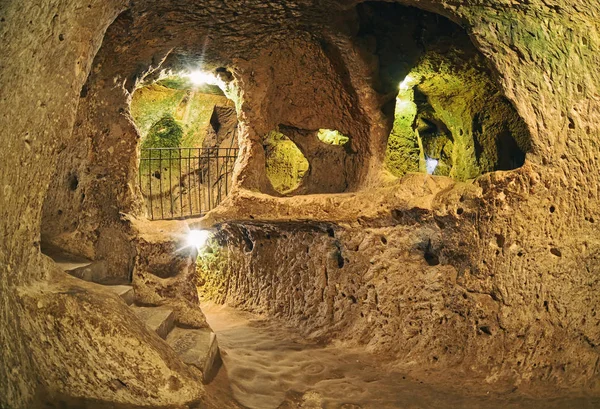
271,367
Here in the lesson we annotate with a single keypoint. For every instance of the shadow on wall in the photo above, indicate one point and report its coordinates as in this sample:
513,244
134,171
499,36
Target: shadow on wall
449,116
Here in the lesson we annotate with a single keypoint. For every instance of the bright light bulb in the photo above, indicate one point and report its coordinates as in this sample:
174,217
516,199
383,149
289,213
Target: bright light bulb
430,165
198,238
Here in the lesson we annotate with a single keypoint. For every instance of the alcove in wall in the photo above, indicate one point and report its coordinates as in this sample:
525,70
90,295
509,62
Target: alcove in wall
449,115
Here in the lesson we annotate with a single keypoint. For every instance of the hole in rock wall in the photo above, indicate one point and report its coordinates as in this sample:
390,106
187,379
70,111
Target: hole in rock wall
300,161
285,164
449,116
332,137
73,182
188,143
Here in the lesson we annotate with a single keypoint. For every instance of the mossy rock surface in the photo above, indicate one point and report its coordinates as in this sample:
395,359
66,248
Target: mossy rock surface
402,153
191,107
456,115
165,133
211,267
285,164
432,63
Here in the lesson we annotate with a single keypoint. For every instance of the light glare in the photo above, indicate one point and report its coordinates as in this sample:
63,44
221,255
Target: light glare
402,104
201,78
198,238
430,165
407,83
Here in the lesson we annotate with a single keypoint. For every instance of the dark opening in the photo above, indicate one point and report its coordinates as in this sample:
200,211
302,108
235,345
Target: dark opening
450,116
73,182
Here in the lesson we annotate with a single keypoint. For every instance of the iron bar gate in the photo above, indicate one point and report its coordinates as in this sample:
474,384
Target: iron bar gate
185,182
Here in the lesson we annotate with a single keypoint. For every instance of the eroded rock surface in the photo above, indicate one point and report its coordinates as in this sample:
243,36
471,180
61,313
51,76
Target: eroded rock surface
520,245
414,274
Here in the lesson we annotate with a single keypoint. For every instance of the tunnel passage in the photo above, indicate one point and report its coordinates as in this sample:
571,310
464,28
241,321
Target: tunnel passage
531,303
188,130
449,116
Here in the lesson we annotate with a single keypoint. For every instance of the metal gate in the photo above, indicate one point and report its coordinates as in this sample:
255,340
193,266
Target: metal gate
177,183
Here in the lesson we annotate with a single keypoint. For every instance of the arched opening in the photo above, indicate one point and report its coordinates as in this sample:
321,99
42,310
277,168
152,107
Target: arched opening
285,164
188,143
450,117
301,162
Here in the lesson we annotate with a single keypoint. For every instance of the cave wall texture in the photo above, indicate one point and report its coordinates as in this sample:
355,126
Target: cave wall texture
497,276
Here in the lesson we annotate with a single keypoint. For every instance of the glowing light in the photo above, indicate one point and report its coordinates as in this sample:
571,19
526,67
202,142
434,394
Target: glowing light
201,78
408,83
198,238
332,137
430,165
402,104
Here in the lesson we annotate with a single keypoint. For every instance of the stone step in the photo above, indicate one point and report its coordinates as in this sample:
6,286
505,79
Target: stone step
197,347
123,291
158,319
82,268
95,272
66,261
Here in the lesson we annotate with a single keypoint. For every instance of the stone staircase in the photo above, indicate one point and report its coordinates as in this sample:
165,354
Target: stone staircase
197,347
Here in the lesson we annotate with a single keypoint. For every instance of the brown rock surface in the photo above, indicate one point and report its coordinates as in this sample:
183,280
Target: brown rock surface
514,295
164,272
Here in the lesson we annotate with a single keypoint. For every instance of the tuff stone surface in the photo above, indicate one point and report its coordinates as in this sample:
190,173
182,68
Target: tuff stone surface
395,270
164,273
197,347
159,320
521,245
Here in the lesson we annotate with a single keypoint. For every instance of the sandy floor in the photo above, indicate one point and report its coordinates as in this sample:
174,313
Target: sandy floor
271,367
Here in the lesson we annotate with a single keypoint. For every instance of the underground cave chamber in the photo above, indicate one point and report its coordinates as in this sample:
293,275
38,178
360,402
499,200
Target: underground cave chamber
449,117
307,211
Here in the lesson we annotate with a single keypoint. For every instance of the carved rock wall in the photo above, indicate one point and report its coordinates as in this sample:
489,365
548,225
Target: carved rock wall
525,252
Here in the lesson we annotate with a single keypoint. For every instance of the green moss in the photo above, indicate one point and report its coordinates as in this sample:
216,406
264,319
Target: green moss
211,267
184,83
196,114
165,133
193,108
402,153
151,103
168,114
461,119
176,82
284,162
332,137
487,131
